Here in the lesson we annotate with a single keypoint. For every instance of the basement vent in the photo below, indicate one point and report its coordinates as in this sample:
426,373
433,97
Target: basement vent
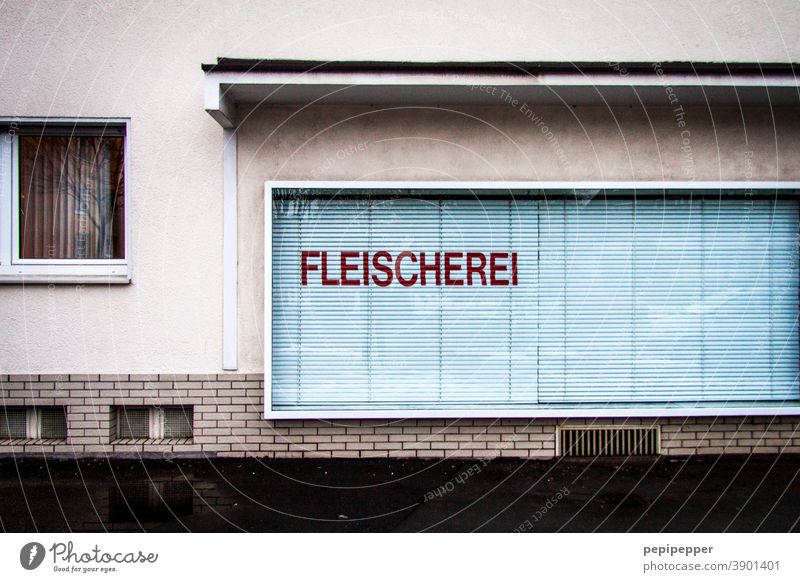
52,423
133,423
608,441
13,423
48,422
178,423
136,422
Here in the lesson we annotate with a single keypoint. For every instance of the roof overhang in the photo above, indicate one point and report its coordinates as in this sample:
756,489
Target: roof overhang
287,82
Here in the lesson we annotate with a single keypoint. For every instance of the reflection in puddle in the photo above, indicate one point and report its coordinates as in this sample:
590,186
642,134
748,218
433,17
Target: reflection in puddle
150,501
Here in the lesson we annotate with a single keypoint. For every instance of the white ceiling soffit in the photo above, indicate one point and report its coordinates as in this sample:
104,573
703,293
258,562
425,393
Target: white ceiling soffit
224,88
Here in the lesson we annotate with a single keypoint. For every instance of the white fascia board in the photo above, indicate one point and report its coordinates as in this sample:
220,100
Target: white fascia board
220,87
471,80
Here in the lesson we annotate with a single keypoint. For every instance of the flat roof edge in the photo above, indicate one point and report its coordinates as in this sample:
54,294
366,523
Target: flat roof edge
228,65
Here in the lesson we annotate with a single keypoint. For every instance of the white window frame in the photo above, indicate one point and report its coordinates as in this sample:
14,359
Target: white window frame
560,411
14,269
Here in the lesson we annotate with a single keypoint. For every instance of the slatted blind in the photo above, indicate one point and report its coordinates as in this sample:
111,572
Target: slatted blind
622,297
395,346
671,299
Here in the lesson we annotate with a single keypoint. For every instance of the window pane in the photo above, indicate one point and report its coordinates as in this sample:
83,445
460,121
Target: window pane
178,423
53,423
71,197
12,423
133,423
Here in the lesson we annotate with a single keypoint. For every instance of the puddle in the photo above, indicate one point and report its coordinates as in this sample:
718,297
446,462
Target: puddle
149,501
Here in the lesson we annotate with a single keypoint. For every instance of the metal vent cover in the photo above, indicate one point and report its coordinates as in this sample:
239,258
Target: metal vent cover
608,441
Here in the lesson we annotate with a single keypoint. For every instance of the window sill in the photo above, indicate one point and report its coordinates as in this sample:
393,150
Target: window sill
145,442
35,442
64,278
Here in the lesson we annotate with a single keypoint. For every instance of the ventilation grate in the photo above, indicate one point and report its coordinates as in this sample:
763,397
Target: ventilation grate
53,423
13,423
133,423
608,441
178,423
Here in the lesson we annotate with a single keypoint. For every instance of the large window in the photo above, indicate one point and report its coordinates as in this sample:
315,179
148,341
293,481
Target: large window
62,210
397,300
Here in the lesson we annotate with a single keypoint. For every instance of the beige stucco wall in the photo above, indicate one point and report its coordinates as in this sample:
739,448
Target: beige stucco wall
142,60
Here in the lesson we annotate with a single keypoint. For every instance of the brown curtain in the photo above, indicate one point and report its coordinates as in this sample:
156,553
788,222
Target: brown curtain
71,197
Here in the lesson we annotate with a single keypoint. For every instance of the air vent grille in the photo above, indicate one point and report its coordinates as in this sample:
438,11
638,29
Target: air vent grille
608,441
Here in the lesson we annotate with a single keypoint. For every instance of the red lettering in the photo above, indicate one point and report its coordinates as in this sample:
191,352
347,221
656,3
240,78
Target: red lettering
494,269
345,268
424,268
398,273
325,281
514,274
305,267
383,268
472,269
449,268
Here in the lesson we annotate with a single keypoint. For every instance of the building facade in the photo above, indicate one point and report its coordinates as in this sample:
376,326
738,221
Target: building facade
357,231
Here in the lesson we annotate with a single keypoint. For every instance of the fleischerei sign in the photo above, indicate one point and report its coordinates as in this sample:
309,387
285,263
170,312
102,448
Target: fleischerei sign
408,268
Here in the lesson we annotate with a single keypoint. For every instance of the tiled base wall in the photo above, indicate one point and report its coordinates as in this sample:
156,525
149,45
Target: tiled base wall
228,410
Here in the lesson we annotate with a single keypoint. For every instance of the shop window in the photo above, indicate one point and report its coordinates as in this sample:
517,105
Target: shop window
395,300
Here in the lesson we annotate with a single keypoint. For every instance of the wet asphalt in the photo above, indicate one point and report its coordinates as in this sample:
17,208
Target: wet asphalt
695,494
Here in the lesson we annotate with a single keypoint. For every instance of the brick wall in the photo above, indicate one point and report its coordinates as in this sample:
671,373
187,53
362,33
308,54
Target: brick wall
227,422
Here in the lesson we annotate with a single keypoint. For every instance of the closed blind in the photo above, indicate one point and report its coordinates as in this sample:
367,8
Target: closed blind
432,346
668,297
675,299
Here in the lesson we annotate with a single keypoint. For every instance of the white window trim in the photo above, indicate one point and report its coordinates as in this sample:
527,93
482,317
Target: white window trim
13,269
615,410
157,423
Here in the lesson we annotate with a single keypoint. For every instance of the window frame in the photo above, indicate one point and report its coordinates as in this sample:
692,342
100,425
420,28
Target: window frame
555,411
13,268
33,423
156,422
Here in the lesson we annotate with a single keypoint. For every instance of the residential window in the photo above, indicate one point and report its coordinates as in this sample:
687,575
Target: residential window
62,209
19,422
137,422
